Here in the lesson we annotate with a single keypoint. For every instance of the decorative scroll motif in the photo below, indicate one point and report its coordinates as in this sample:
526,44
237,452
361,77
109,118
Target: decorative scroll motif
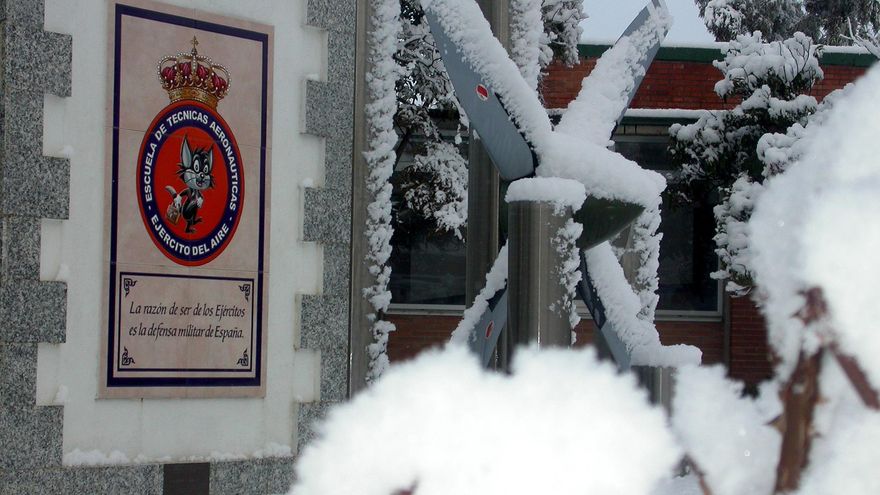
244,360
127,284
246,288
126,359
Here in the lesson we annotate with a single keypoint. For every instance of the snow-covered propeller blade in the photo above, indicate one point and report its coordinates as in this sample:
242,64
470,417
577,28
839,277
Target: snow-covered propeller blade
610,88
489,327
502,139
607,340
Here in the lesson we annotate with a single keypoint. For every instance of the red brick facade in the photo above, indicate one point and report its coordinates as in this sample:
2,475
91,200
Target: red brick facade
680,79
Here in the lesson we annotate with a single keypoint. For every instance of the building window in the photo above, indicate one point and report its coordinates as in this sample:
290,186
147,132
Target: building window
687,251
428,267
427,264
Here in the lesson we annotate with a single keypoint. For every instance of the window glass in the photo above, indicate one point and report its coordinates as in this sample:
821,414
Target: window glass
687,251
427,265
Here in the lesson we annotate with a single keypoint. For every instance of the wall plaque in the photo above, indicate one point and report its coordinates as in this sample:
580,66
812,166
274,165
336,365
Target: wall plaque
188,204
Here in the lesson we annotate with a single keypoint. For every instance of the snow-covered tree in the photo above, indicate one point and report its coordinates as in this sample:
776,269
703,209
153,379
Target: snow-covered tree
777,19
720,152
823,20
562,30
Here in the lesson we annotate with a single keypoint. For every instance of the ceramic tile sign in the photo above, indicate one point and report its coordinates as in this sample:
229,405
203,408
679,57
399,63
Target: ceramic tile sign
188,204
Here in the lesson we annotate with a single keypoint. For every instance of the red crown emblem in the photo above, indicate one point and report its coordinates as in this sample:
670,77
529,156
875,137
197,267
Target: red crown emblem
190,76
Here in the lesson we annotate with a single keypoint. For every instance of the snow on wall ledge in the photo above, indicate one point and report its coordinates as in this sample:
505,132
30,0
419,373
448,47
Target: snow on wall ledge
162,430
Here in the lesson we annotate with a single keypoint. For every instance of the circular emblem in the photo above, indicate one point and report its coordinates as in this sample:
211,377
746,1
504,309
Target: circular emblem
190,183
482,92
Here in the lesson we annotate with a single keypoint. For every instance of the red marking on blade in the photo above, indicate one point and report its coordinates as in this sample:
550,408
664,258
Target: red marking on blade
489,328
482,92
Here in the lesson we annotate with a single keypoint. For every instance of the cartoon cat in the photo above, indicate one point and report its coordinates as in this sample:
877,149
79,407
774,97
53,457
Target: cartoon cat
195,169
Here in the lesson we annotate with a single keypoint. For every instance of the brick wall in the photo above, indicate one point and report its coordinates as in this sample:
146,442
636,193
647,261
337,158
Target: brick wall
674,84
750,358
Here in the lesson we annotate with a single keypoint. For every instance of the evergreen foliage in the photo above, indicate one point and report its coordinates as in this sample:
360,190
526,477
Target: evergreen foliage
825,21
719,154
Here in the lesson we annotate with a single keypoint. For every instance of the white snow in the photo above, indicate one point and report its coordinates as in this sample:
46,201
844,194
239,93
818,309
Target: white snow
78,457
622,308
380,157
526,32
496,280
727,436
813,227
561,192
605,93
732,238
749,60
444,426
444,197
665,113
844,452
604,174
565,243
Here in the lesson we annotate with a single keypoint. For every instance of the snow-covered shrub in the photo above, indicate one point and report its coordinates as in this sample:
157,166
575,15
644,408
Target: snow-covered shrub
720,153
561,423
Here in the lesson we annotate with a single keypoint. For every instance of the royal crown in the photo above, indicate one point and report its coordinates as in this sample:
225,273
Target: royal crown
190,76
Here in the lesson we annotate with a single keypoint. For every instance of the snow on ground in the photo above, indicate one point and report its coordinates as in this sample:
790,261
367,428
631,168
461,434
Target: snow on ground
561,423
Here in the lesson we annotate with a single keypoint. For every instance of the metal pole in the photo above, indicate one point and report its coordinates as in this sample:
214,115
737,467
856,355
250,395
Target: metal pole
483,181
483,185
534,281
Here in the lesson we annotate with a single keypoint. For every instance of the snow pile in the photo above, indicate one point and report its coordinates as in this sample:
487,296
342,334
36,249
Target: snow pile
749,61
622,308
813,227
380,158
442,426
496,280
727,436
